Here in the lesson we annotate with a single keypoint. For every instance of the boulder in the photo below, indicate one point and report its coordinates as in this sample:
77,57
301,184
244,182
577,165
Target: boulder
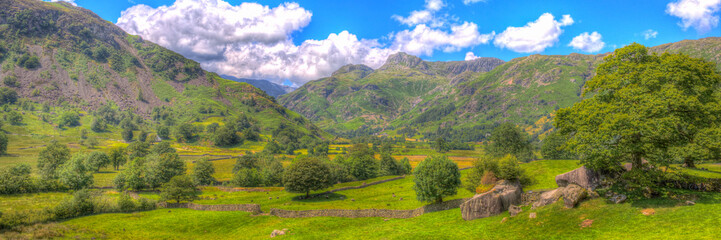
492,202
514,210
582,176
548,197
532,215
276,233
618,198
572,195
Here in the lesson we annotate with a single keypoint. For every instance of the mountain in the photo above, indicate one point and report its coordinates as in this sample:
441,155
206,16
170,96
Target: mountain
272,89
356,95
464,100
58,54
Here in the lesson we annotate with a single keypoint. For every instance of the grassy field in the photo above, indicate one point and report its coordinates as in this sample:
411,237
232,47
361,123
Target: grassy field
610,221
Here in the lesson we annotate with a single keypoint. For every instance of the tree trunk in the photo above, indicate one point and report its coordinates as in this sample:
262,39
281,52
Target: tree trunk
689,163
307,194
440,200
636,161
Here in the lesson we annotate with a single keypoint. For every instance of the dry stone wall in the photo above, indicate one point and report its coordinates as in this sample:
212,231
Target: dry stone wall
383,213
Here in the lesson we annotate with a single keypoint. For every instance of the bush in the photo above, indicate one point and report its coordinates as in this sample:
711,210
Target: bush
3,143
389,166
98,125
225,136
8,96
17,179
14,118
163,132
127,134
75,174
11,81
80,204
505,168
51,158
509,139
246,177
96,160
125,203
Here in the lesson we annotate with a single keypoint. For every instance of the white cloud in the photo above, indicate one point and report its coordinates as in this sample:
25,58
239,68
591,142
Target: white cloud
469,2
470,56
699,14
68,1
423,40
535,36
425,16
588,42
648,34
251,40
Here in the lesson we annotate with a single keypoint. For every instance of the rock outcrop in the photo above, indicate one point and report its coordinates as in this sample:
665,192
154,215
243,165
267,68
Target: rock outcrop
547,198
582,176
493,202
573,194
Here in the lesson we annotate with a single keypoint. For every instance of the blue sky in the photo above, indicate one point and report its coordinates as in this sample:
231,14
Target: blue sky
375,28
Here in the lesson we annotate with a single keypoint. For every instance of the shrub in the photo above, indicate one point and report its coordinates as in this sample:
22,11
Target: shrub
75,174
203,172
79,205
509,139
3,143
246,177
127,134
96,160
505,168
8,96
10,81
389,166
17,179
14,118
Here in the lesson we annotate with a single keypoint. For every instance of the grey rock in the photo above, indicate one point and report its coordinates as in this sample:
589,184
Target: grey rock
618,198
532,215
493,202
514,210
690,203
547,198
276,233
573,194
582,176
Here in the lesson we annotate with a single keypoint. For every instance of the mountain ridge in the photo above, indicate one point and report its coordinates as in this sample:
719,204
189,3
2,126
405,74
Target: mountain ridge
521,90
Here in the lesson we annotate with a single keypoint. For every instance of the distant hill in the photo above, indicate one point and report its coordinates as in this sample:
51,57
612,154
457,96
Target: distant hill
272,89
62,55
464,99
356,96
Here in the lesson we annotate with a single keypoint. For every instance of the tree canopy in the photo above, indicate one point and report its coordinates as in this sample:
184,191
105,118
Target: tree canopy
306,174
643,106
436,177
509,139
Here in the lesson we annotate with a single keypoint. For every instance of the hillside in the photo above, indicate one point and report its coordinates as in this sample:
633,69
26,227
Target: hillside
436,98
66,56
272,89
356,96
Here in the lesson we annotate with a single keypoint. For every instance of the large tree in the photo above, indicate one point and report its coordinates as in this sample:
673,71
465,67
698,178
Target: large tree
436,177
643,106
509,139
306,174
203,172
179,188
51,158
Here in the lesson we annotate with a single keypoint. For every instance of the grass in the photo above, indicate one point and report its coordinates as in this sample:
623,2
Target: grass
610,221
30,201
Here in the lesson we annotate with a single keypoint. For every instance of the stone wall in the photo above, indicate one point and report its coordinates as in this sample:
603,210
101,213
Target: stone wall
252,208
382,213
365,185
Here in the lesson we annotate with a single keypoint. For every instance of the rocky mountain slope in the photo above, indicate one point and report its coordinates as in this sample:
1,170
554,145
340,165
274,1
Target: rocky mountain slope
272,89
464,100
356,96
63,55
